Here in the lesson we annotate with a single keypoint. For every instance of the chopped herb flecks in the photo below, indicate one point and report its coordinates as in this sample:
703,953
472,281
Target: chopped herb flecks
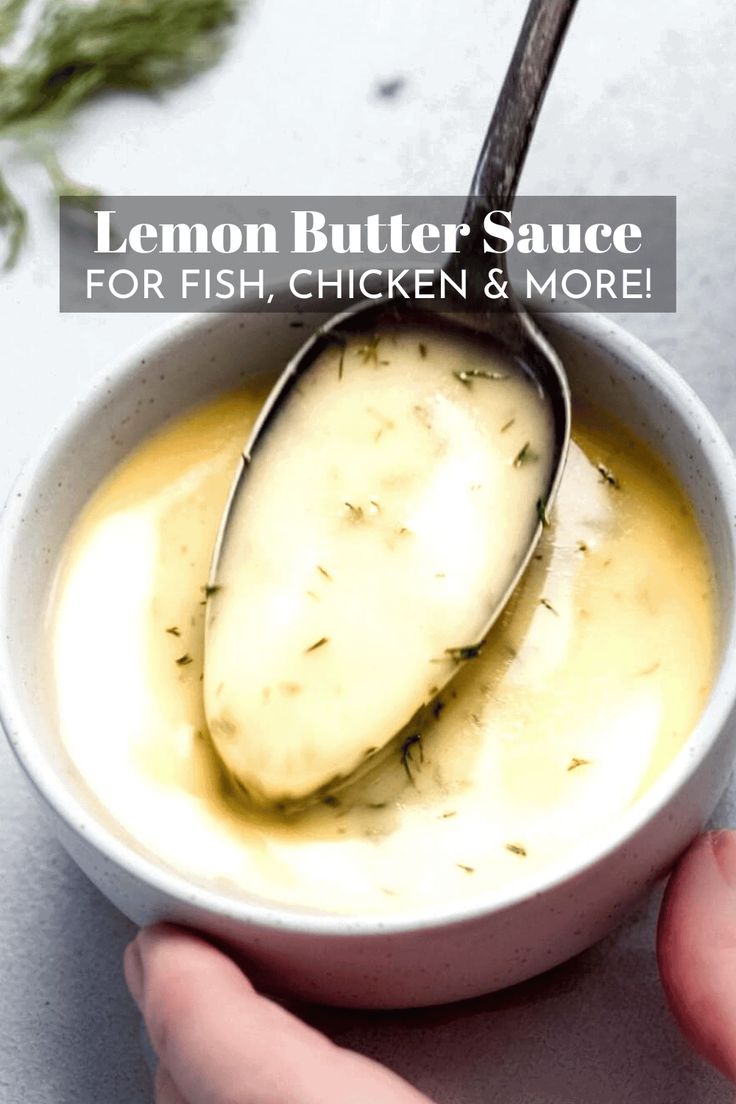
174,631
525,455
184,660
407,753
337,339
516,849
467,375
649,670
468,651
548,605
576,762
317,644
369,352
608,477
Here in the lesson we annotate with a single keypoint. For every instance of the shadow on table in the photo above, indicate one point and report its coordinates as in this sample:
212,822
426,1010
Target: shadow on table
593,1030
84,1020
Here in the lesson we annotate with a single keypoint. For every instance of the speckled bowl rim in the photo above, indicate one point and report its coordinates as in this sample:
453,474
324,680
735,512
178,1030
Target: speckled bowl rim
263,915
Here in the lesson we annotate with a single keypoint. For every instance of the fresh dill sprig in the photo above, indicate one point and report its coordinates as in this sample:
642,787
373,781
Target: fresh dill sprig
10,13
83,49
80,50
63,185
13,223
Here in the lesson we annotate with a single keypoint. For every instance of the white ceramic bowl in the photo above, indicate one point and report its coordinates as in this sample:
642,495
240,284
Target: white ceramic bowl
429,955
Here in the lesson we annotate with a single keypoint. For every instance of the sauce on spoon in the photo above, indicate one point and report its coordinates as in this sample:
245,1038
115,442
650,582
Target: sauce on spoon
383,514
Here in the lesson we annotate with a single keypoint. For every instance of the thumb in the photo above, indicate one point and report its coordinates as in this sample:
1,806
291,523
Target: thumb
220,1041
696,948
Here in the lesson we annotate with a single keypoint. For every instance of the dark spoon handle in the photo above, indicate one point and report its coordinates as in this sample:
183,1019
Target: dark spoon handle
507,140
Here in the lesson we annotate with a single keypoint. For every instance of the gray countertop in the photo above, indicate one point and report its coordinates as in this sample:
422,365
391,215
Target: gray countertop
644,101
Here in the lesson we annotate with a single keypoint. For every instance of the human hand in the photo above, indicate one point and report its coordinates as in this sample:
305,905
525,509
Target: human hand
220,1042
696,948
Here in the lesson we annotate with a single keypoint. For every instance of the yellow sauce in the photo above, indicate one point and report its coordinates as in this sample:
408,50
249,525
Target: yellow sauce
589,685
380,521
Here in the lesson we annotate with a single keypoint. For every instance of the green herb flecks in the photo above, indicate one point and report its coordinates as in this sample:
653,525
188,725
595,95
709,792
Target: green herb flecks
368,352
317,644
576,762
507,425
174,630
184,660
341,341
467,651
209,592
542,514
608,477
324,571
548,605
467,375
467,869
525,455
516,849
409,760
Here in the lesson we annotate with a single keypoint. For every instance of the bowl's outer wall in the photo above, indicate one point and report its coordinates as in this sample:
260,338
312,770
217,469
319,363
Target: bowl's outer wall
381,968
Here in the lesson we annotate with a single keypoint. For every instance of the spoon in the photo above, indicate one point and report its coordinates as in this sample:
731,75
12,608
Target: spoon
284,767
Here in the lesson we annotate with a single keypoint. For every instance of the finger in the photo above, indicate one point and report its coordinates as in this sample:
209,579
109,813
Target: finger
220,1041
164,1089
696,948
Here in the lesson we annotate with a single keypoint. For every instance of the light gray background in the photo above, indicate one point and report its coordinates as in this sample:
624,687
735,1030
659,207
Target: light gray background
644,100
